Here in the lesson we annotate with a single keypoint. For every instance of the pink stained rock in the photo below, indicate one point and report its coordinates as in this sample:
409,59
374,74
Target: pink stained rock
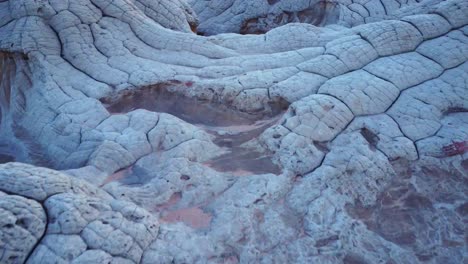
174,199
117,175
231,260
457,148
194,217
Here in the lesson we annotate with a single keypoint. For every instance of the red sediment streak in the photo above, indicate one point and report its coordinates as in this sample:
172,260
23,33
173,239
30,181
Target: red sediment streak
189,84
457,148
194,217
117,176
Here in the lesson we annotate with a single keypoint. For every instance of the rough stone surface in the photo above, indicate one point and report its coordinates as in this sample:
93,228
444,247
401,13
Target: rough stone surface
253,17
341,139
75,222
23,222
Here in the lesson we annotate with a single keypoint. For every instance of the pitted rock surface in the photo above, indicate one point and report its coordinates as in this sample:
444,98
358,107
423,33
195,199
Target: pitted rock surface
23,223
66,219
337,133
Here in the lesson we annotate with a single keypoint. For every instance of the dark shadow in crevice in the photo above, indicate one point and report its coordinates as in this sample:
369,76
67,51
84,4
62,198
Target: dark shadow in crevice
5,158
452,110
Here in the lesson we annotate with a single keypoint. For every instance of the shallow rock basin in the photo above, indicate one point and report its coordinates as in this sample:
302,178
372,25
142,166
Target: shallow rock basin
231,128
158,98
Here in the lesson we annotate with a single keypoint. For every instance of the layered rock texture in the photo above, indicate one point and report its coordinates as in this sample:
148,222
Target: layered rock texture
253,17
342,139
